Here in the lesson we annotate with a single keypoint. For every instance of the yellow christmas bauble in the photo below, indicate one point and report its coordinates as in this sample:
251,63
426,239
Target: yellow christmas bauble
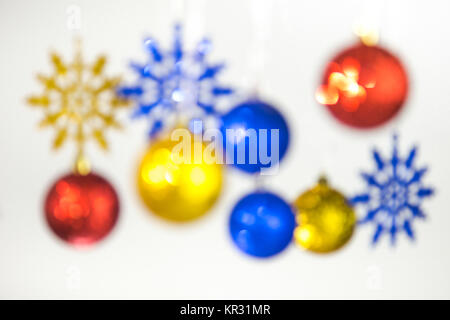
174,180
325,219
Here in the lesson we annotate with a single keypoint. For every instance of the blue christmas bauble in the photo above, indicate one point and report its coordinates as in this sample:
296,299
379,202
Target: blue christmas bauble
262,224
255,136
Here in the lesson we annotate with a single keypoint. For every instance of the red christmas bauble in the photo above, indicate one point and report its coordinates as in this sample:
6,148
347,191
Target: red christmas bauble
364,86
81,209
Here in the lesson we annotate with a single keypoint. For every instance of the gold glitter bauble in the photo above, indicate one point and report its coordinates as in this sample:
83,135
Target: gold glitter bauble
174,184
325,219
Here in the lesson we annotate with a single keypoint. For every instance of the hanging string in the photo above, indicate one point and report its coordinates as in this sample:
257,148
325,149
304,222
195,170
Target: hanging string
178,11
261,21
371,18
74,19
190,14
74,25
195,22
261,25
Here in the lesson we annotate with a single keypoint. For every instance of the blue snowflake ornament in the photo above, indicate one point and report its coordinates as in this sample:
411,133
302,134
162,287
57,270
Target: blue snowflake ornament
174,82
394,194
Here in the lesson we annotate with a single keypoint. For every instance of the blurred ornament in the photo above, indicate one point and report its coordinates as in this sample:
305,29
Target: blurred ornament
325,219
178,182
260,130
262,224
80,102
175,82
173,87
82,209
364,86
394,194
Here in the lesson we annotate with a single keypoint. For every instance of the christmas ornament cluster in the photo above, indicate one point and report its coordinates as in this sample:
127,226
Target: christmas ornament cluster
363,87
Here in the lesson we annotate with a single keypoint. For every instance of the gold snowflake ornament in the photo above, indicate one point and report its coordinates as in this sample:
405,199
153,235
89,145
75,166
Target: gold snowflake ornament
80,102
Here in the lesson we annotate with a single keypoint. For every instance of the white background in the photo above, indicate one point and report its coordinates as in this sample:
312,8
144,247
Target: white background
145,257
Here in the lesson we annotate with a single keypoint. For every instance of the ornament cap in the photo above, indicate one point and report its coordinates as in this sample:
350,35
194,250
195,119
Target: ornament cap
82,165
368,34
322,180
